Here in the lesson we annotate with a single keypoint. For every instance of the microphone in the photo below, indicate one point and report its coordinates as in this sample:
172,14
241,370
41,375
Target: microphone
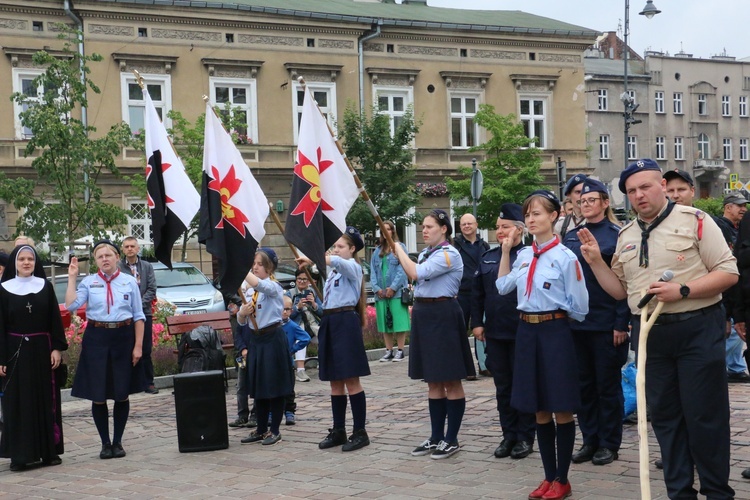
667,276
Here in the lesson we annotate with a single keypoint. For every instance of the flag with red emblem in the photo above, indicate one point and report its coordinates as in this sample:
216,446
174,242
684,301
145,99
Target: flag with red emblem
233,207
172,199
323,189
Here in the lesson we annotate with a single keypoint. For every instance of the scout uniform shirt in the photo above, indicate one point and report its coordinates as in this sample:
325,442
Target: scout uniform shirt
687,242
92,291
269,303
439,272
344,283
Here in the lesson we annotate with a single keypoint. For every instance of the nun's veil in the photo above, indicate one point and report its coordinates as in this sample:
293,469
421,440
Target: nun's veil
10,270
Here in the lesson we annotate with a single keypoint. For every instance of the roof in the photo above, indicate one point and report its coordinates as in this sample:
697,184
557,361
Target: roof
391,14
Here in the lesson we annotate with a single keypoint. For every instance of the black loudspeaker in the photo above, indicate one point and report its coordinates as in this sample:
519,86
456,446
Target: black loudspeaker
201,408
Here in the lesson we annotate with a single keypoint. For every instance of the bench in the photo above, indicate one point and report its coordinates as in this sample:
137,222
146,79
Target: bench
185,323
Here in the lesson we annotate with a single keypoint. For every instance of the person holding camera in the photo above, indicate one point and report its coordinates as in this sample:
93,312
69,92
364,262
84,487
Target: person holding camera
307,309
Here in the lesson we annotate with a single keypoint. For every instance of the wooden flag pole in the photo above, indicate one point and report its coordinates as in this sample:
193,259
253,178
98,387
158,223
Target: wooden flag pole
362,192
244,301
295,252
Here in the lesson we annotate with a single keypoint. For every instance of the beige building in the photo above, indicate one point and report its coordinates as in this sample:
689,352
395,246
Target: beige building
442,62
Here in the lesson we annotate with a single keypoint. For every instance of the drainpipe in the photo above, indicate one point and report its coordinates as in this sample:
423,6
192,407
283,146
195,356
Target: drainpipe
84,110
361,54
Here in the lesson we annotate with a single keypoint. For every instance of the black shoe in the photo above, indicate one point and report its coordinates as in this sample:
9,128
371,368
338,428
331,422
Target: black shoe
151,390
358,440
252,421
117,451
503,451
15,467
106,452
522,449
55,460
471,378
660,465
738,378
604,456
585,454
239,422
255,437
746,473
335,437
485,373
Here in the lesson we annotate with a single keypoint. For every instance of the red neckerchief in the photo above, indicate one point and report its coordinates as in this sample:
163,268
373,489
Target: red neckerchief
537,254
110,295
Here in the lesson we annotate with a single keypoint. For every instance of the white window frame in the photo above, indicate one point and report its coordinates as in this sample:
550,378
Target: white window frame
144,222
463,115
407,93
677,103
661,148
410,233
726,105
704,146
726,144
702,105
330,110
659,101
148,79
743,149
250,107
602,100
546,117
20,74
631,94
743,106
679,148
632,147
604,153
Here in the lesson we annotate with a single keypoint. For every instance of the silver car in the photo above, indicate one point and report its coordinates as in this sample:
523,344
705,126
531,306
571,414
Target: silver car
187,288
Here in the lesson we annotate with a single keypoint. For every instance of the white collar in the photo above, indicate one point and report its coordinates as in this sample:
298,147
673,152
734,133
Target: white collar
24,286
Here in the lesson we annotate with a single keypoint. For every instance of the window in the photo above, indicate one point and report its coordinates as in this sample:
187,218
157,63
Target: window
743,150
743,106
727,148
142,32
139,222
324,94
632,147
464,130
389,47
679,148
393,102
534,117
702,104
704,147
23,82
602,100
229,37
133,103
240,94
631,94
661,148
726,105
464,53
604,147
677,103
659,102
37,26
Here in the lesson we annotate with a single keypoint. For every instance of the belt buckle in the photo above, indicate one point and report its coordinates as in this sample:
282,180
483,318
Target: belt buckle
534,319
111,324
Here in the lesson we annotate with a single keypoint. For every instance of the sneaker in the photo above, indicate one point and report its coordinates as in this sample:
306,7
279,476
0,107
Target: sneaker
152,390
399,356
252,421
358,440
425,448
335,437
301,376
271,439
239,422
290,420
445,449
388,356
255,437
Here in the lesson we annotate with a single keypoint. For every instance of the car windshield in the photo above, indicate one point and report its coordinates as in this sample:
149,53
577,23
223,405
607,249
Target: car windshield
61,286
179,276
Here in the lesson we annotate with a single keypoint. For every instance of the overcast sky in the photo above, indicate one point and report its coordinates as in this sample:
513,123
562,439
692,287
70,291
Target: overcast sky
699,27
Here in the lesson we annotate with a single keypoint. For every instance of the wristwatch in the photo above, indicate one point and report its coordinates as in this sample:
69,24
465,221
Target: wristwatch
684,290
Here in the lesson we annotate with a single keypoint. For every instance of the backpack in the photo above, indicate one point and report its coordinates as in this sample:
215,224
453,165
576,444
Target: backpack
201,350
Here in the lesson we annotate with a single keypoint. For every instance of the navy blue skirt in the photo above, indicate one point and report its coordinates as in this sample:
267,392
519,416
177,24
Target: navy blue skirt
341,349
545,374
268,362
439,348
105,368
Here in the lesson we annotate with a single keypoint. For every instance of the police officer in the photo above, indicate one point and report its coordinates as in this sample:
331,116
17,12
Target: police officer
686,381
494,319
601,339
572,191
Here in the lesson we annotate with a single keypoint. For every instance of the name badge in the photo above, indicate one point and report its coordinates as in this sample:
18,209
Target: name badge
96,285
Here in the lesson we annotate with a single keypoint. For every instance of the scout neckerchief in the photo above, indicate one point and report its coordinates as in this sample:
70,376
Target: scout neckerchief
537,253
643,261
110,295
431,251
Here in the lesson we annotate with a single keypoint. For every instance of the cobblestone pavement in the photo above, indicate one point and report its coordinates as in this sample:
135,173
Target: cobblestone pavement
295,468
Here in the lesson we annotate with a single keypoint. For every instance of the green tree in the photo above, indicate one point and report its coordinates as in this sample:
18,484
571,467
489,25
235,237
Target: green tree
384,165
510,168
64,202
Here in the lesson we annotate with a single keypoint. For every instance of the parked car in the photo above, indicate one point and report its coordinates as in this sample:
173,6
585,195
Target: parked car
60,285
285,276
187,288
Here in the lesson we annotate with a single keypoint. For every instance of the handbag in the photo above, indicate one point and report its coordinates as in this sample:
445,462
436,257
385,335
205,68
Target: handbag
407,296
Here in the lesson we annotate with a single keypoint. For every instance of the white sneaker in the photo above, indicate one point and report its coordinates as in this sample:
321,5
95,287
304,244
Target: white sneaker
301,376
387,357
399,356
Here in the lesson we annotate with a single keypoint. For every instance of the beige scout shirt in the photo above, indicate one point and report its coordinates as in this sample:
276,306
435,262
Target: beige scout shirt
674,245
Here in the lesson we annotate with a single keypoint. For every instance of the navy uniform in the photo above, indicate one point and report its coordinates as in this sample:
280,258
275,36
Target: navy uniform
498,315
599,360
570,221
686,380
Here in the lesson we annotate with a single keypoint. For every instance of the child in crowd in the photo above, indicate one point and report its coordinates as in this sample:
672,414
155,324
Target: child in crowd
298,340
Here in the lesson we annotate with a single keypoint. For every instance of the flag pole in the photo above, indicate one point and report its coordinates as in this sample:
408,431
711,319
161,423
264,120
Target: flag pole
294,251
362,192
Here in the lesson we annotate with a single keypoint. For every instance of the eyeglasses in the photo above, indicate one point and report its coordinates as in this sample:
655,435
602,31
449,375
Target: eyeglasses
287,308
588,201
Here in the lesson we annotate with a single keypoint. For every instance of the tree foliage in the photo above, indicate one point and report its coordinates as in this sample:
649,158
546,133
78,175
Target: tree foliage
384,165
510,168
64,202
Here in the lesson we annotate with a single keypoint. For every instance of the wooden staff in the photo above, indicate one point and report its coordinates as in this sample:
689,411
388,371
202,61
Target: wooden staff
362,192
244,301
647,321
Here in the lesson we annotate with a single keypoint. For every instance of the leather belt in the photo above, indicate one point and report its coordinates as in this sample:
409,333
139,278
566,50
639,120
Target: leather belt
432,299
110,324
335,310
541,318
666,319
266,329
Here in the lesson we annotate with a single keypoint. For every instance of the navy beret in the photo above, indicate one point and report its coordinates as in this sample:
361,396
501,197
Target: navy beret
511,211
353,233
546,194
640,166
105,242
678,174
593,186
271,255
573,182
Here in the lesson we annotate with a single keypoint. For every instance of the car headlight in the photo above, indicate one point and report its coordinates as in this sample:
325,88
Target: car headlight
218,297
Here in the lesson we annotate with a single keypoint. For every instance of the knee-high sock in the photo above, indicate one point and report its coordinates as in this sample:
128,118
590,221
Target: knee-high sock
545,437
359,409
120,414
566,437
438,411
455,409
101,421
277,411
338,409
262,408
